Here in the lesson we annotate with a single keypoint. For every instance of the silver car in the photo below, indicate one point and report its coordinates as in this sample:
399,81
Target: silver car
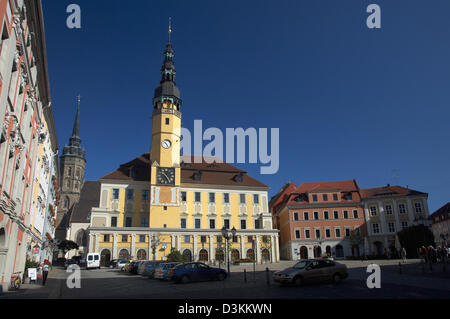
311,271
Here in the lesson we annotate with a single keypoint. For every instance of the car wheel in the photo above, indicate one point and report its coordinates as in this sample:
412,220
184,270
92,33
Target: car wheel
185,279
221,277
337,278
298,281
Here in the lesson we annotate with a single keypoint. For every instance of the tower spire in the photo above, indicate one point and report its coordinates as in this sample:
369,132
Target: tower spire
170,28
76,125
167,90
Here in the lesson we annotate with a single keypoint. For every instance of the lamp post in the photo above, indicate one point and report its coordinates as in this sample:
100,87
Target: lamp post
225,234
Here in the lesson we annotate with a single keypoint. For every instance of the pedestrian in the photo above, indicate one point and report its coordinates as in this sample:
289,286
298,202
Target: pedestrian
45,269
403,253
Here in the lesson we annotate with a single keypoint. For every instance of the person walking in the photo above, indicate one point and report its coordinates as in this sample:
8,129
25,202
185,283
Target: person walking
45,269
403,253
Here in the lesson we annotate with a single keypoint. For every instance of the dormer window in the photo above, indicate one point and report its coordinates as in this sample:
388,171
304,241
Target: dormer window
239,178
299,199
198,176
348,196
132,172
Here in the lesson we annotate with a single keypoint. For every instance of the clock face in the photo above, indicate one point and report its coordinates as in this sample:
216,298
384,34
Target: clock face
165,176
166,144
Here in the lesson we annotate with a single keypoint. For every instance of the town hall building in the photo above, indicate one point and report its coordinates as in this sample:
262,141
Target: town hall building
161,200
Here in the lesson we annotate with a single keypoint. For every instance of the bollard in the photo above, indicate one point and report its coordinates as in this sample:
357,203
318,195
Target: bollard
400,268
245,275
267,276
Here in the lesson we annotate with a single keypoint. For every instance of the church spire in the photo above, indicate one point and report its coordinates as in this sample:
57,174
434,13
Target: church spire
76,125
74,148
167,90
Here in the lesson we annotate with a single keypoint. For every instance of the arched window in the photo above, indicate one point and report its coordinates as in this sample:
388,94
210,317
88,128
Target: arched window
187,254
220,256
81,238
2,238
234,254
66,202
141,254
265,254
251,254
339,251
123,254
69,171
203,255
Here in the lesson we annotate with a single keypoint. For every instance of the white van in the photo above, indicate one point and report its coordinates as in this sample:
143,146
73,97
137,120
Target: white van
93,260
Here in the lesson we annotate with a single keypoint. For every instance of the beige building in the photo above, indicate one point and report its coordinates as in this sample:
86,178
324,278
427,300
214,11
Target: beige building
387,210
441,225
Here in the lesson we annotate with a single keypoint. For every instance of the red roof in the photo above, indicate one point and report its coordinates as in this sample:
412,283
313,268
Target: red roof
213,172
389,191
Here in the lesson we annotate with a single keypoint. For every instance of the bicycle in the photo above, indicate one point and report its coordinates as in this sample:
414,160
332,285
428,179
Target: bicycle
16,281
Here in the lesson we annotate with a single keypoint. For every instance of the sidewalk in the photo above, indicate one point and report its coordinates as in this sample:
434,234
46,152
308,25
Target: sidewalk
36,290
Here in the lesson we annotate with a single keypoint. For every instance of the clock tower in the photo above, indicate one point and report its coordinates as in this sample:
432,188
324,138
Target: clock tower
165,149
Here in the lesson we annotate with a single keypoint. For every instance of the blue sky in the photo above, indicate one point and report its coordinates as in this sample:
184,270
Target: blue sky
350,102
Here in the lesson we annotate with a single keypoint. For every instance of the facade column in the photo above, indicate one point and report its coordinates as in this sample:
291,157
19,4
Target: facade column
258,250
211,248
277,246
91,243
114,252
150,248
383,227
178,243
272,246
410,211
96,243
133,245
172,242
194,253
397,224
243,253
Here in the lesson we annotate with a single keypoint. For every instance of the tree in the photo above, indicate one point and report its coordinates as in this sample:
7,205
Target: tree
414,237
67,245
356,239
176,256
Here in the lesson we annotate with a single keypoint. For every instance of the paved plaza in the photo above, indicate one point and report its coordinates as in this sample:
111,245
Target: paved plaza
412,282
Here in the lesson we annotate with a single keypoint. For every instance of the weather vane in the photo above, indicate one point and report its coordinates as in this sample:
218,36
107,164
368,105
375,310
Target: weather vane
170,27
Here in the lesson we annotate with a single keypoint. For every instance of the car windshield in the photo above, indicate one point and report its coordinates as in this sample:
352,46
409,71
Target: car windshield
302,264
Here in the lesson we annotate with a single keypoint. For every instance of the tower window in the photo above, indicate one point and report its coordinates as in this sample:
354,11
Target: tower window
167,121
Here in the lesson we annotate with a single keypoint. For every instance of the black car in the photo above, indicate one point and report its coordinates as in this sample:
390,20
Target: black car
70,262
195,271
113,263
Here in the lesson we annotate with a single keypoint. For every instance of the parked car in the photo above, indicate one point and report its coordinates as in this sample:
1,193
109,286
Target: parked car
112,263
163,269
59,262
121,263
142,266
311,271
150,268
82,262
69,262
195,272
134,265
126,266
93,260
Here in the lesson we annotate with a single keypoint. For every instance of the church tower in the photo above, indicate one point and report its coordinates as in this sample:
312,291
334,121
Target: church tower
72,167
165,149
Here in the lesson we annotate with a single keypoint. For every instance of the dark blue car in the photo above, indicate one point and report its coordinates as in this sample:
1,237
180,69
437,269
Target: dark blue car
195,272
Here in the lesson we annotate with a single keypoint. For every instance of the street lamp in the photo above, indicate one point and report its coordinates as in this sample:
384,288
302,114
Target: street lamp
225,234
